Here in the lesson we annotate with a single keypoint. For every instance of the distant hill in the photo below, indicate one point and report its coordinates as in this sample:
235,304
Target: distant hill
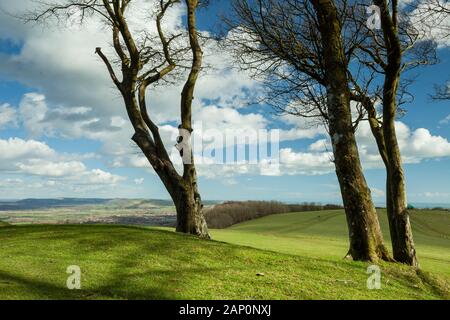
27,204
31,204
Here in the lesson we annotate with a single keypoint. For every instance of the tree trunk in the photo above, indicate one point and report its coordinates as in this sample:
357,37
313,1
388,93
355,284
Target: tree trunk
396,205
182,190
398,215
190,218
400,226
366,240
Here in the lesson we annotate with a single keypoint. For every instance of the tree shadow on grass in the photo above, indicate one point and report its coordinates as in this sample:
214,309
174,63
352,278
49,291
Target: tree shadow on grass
14,286
129,271
120,262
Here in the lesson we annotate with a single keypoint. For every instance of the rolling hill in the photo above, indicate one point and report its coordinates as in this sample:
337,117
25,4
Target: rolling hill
119,262
324,235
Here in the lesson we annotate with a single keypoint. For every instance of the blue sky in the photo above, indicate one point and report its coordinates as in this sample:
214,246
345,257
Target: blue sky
63,129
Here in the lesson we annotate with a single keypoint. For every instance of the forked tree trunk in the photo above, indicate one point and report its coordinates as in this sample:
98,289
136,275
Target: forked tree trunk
400,226
183,190
366,240
396,204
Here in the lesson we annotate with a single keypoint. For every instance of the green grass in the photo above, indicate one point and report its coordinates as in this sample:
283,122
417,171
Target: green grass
324,235
137,263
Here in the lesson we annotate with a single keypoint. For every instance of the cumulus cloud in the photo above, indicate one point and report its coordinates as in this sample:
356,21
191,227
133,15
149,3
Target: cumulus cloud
305,163
98,176
290,162
320,145
14,149
416,145
35,158
47,168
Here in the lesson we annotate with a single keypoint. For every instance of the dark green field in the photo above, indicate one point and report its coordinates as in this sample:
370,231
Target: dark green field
295,256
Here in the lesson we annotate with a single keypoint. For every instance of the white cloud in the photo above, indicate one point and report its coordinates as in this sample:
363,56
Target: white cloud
41,167
415,145
377,193
305,163
434,24
98,176
35,158
15,148
320,146
32,110
8,116
302,128
433,195
421,145
139,181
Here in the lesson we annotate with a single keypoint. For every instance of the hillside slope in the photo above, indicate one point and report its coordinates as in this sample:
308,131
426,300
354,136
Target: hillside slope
136,263
323,234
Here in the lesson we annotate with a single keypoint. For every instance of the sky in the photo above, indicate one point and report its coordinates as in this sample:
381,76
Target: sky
64,131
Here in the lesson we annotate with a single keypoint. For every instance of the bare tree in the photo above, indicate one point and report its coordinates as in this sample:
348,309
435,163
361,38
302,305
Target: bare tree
296,48
389,52
400,226
146,60
290,61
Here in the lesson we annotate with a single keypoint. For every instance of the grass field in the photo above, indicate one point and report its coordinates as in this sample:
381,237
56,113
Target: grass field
324,235
304,262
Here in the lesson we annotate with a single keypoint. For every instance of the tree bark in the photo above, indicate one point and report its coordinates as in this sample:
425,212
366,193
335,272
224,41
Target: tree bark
183,190
366,240
189,206
398,215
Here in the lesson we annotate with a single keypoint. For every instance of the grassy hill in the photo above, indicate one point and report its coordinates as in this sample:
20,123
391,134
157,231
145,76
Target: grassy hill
137,263
324,235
